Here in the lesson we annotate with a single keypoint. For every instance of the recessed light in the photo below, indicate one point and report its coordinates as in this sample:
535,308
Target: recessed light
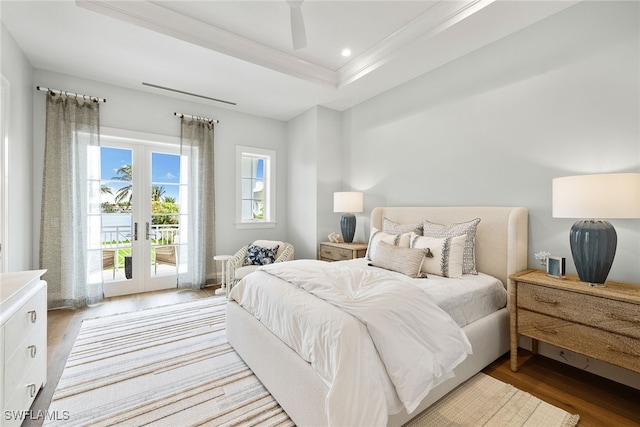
346,52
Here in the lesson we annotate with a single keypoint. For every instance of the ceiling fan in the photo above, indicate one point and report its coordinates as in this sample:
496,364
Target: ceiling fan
298,32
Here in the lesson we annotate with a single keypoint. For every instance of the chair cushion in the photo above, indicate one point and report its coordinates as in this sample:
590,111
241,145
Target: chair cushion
243,271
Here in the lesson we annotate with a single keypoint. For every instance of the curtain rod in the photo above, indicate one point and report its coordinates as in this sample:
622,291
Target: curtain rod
77,95
188,116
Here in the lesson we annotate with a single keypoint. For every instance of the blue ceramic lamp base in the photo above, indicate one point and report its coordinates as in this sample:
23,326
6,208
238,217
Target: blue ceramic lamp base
348,227
593,246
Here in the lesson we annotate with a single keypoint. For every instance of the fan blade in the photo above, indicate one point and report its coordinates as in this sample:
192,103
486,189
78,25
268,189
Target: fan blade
298,32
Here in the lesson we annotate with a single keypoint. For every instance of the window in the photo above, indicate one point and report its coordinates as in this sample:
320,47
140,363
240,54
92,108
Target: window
255,187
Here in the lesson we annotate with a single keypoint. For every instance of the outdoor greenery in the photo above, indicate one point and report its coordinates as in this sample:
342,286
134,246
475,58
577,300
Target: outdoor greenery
164,210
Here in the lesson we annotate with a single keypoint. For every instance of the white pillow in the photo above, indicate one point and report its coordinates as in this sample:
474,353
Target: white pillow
467,229
446,254
407,261
377,236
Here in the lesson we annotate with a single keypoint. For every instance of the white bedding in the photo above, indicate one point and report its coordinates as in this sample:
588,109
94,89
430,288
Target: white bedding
466,299
360,351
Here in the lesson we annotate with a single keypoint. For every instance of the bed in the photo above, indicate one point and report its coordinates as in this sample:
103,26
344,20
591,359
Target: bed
303,390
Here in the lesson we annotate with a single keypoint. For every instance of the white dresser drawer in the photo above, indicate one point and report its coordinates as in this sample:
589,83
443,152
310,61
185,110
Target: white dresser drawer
24,321
23,342
30,352
25,393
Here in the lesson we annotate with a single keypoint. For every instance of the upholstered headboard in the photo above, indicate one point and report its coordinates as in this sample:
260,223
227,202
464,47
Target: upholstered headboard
501,238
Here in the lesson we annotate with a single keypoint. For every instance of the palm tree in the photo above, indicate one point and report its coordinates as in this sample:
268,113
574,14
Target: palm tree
156,193
124,174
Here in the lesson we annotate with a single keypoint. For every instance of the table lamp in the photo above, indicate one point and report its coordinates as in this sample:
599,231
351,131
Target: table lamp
348,202
595,198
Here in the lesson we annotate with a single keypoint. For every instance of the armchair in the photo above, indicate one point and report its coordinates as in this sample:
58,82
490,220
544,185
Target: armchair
238,267
109,260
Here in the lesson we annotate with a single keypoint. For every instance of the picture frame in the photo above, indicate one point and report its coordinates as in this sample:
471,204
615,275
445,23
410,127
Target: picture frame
556,267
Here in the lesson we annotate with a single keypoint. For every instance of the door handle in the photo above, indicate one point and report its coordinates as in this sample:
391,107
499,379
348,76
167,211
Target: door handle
135,231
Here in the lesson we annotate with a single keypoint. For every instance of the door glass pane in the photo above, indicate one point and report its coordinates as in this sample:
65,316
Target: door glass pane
116,191
165,219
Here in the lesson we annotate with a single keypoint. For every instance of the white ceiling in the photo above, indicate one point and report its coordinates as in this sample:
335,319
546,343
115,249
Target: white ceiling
241,51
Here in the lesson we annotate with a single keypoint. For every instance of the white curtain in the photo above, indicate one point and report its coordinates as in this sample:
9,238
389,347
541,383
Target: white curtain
197,206
70,198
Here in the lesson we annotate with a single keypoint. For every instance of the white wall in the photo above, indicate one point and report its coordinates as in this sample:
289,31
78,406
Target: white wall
301,188
329,179
315,173
145,112
559,98
17,70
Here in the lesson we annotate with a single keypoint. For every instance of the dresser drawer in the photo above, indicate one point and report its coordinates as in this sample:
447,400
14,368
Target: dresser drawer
613,348
25,393
29,352
335,254
26,320
614,316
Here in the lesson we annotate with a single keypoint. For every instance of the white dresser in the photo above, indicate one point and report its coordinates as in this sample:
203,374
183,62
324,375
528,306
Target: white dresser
23,342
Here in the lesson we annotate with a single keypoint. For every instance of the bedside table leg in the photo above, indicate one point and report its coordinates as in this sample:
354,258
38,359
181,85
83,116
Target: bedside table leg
513,325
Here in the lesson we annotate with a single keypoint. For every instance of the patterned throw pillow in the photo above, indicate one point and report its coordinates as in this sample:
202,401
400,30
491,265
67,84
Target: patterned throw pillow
378,236
258,255
469,229
444,254
402,260
392,227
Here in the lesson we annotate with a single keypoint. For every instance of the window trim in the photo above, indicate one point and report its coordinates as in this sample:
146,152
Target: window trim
270,187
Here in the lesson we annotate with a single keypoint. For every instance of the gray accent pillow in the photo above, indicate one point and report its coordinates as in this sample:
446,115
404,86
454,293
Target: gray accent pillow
469,229
407,261
392,227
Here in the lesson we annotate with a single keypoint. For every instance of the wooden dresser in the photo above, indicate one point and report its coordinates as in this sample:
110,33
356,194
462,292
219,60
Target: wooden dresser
23,342
602,322
341,251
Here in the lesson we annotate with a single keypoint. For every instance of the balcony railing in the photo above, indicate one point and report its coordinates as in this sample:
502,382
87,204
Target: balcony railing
120,236
116,246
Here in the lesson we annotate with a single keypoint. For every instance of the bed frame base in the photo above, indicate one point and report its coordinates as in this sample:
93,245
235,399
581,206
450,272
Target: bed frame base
301,392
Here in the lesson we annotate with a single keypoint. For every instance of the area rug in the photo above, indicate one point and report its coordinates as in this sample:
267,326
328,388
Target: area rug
172,366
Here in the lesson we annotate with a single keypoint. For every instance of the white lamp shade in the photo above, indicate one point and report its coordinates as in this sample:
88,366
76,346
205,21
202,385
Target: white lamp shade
348,201
597,196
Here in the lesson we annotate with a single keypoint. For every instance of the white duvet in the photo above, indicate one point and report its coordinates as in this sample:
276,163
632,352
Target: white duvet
377,340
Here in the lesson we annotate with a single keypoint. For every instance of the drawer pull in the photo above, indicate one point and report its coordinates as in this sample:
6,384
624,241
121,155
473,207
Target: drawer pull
545,330
32,390
615,316
34,316
544,300
33,351
617,350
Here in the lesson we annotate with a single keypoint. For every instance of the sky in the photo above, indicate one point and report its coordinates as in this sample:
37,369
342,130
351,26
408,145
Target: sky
165,170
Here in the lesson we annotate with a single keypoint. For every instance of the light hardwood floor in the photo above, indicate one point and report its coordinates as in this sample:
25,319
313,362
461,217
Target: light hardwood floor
598,401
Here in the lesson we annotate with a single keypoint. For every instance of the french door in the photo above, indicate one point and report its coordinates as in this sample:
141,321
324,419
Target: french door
140,191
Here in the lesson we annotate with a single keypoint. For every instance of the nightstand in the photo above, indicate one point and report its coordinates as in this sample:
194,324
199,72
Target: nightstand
599,322
341,251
